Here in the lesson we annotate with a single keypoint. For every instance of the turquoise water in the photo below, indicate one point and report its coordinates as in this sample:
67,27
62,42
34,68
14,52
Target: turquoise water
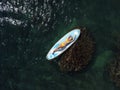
28,29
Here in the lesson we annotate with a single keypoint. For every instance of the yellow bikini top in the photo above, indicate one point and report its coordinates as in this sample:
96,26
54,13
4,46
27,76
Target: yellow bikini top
64,43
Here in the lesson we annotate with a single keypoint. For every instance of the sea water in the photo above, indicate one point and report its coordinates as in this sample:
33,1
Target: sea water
29,28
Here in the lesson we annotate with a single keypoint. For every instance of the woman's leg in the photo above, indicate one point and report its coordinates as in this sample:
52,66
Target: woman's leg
56,49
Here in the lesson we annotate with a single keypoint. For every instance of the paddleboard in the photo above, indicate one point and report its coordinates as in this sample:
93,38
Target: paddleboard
55,51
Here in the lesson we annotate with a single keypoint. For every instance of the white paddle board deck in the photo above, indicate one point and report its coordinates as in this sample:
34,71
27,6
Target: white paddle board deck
75,33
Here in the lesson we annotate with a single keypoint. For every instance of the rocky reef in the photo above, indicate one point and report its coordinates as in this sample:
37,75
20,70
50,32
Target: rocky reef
79,54
114,66
114,70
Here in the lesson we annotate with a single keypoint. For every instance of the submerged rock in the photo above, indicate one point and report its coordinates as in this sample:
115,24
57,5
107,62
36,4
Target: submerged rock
114,70
114,65
79,54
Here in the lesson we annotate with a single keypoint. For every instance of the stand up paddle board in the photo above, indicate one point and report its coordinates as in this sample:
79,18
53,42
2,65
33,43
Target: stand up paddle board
63,44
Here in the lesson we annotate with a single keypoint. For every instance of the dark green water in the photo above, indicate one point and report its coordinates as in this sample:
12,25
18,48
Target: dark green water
29,28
